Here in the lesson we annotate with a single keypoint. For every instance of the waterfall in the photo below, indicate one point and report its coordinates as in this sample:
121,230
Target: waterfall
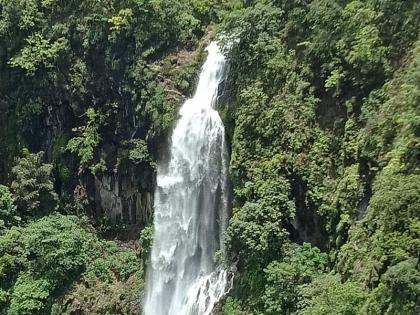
191,206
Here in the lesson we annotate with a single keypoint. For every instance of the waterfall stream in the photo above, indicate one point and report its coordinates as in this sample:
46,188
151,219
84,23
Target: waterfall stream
191,206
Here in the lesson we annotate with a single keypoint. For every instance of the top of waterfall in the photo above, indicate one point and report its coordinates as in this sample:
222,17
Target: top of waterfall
211,75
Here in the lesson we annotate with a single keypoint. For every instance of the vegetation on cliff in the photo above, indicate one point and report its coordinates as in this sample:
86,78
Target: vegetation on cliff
324,122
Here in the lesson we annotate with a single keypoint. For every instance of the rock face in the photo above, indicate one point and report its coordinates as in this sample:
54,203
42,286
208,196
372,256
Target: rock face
119,199
308,225
121,192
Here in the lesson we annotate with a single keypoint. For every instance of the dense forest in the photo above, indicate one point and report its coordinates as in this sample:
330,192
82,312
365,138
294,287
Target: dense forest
322,110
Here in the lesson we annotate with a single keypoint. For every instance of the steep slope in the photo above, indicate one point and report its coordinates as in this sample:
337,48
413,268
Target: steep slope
323,120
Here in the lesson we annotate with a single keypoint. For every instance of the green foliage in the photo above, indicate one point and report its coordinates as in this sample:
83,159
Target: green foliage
284,278
326,295
364,44
326,93
33,186
88,139
99,167
30,296
334,79
49,252
232,307
91,68
120,21
38,52
39,261
324,125
397,292
210,10
138,152
387,235
256,231
54,246
403,280
120,265
146,241
97,298
158,110
111,284
8,213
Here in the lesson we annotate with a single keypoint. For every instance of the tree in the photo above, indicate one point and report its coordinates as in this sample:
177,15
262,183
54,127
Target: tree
398,291
146,241
33,186
326,295
256,230
43,257
30,296
284,278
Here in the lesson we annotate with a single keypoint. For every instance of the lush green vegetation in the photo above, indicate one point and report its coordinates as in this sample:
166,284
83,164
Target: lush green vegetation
49,256
323,119
55,264
324,123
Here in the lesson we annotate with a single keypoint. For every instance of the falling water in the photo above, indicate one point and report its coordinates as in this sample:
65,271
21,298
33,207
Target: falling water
191,206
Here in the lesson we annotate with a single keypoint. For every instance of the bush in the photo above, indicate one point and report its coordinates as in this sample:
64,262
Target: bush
232,307
256,230
146,242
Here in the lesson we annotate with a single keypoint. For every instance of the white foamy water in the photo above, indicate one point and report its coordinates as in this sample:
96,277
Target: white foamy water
191,206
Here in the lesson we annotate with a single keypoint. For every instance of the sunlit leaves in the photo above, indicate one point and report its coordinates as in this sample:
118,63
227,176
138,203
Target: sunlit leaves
38,52
87,138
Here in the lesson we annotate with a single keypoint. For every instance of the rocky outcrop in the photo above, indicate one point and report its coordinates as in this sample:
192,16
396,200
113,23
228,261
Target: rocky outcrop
113,185
119,199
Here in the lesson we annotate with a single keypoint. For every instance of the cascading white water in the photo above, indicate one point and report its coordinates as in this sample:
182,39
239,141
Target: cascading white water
191,206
